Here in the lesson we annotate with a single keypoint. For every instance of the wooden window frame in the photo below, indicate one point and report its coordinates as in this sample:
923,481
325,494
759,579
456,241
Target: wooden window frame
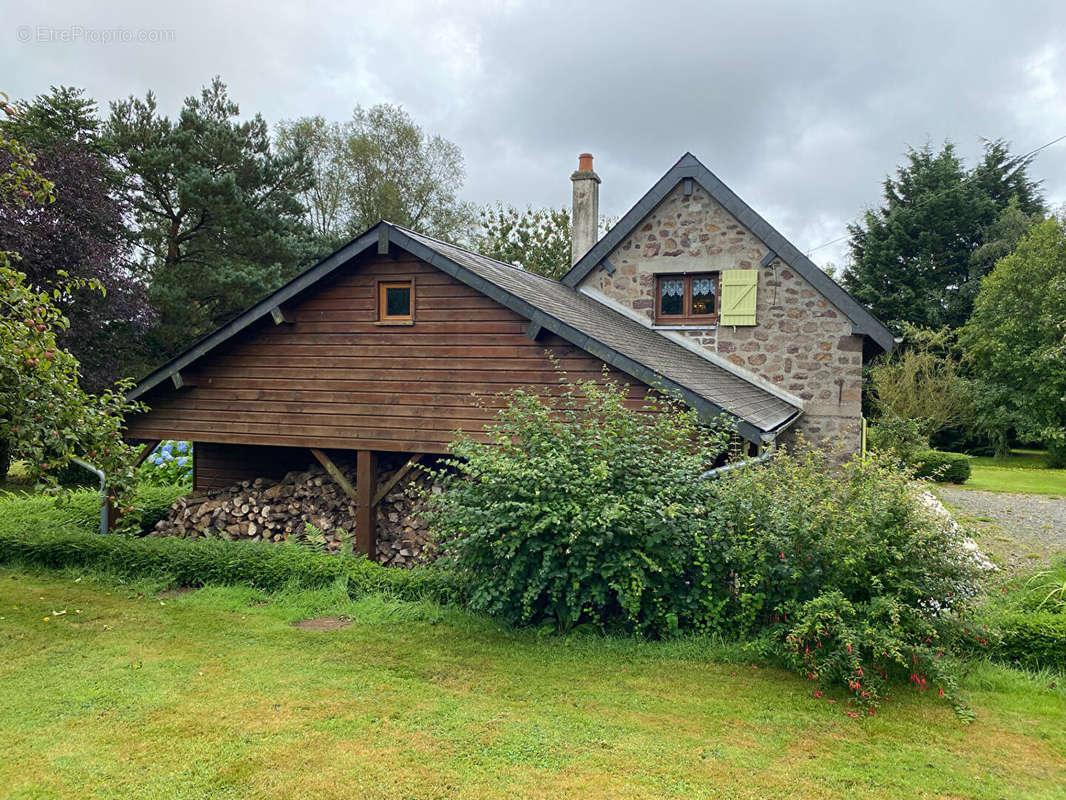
383,287
687,317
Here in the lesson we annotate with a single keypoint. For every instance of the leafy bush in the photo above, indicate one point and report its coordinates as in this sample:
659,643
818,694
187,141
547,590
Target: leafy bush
849,575
1034,639
1028,620
580,509
941,466
201,561
170,464
900,435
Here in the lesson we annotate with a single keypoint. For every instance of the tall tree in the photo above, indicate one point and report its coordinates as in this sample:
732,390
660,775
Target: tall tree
378,165
1016,337
914,258
46,418
537,239
215,208
81,233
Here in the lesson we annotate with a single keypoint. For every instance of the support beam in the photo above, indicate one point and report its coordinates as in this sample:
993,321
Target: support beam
396,478
607,265
383,240
278,316
176,379
366,478
533,330
768,259
335,473
146,451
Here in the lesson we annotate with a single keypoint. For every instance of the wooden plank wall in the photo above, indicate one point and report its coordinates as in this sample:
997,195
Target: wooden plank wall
336,379
219,465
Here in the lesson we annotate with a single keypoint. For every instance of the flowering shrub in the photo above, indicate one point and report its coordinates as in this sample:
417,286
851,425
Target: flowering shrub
851,576
580,510
170,464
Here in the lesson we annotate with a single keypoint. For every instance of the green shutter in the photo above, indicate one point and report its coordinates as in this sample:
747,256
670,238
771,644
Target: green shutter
739,290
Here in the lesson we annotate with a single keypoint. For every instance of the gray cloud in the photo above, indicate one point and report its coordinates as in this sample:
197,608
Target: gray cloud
800,107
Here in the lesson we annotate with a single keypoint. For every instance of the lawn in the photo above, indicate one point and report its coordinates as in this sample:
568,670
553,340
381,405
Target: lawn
114,691
1023,472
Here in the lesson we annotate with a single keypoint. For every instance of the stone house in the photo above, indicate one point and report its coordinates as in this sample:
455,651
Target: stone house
695,263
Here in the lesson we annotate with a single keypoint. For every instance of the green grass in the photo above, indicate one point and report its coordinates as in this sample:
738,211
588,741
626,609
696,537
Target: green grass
1023,472
215,694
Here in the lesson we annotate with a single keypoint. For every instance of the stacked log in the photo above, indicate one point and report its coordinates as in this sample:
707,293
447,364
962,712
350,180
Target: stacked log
276,511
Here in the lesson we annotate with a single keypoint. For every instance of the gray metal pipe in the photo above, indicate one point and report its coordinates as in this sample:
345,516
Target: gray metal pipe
103,490
764,456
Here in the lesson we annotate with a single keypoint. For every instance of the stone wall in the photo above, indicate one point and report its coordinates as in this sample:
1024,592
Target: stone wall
801,344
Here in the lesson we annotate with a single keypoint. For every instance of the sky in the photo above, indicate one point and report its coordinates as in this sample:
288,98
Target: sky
802,108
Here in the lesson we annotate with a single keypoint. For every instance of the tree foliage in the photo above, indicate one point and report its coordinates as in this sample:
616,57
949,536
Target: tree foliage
45,416
379,165
1016,338
537,239
922,381
81,233
215,208
915,259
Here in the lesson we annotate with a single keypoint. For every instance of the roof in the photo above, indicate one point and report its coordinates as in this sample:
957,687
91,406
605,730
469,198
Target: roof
689,167
613,337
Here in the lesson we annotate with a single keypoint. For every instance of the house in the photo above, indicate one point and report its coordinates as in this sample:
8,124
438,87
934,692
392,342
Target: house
397,340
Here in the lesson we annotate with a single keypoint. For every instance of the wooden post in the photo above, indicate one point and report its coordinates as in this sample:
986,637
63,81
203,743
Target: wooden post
366,479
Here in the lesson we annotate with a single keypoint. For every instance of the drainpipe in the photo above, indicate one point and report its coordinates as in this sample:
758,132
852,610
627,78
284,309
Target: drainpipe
769,448
103,491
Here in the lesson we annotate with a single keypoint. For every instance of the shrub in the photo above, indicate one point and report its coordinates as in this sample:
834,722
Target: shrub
169,464
1034,639
580,509
201,561
845,570
899,435
941,466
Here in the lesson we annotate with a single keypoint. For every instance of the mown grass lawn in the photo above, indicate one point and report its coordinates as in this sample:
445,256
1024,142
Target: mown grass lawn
1023,472
215,694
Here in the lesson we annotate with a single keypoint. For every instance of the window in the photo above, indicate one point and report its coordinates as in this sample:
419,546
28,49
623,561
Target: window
396,301
687,299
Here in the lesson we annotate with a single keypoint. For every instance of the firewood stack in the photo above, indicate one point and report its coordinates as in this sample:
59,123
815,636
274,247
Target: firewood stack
273,511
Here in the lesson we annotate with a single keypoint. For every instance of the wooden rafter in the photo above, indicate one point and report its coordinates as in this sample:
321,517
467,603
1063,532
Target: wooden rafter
396,478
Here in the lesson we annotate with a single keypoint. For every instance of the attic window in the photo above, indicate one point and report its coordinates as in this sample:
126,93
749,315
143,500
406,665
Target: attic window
396,301
687,299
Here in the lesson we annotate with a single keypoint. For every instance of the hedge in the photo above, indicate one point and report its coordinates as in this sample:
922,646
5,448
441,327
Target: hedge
1035,639
941,466
45,532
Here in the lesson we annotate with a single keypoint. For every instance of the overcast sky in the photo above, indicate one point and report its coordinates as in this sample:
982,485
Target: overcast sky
801,108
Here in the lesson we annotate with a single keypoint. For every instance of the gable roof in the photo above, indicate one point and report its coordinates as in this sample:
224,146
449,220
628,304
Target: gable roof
689,167
612,337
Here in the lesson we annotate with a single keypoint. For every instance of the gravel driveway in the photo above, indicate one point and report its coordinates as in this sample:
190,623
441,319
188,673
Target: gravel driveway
1021,530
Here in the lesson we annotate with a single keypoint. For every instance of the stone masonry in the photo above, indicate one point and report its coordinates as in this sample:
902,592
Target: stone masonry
802,343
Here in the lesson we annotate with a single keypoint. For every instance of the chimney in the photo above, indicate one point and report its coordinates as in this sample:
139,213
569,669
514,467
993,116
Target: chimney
585,219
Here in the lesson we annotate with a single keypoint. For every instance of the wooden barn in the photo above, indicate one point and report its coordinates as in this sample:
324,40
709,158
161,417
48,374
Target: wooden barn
397,340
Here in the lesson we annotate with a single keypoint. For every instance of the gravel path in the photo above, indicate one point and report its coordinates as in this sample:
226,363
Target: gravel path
1022,530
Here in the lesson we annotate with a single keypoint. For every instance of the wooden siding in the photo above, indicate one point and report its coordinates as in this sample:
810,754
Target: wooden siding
334,378
219,465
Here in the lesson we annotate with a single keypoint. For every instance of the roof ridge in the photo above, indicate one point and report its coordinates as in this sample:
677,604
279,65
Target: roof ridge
523,270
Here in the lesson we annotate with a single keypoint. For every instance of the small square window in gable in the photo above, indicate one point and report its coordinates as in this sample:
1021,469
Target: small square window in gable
396,302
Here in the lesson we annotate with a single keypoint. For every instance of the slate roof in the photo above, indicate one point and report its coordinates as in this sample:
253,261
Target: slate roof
616,339
689,167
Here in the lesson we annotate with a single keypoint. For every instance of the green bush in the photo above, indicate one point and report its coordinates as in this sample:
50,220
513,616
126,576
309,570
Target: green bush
900,435
581,510
849,575
942,467
197,562
1034,639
